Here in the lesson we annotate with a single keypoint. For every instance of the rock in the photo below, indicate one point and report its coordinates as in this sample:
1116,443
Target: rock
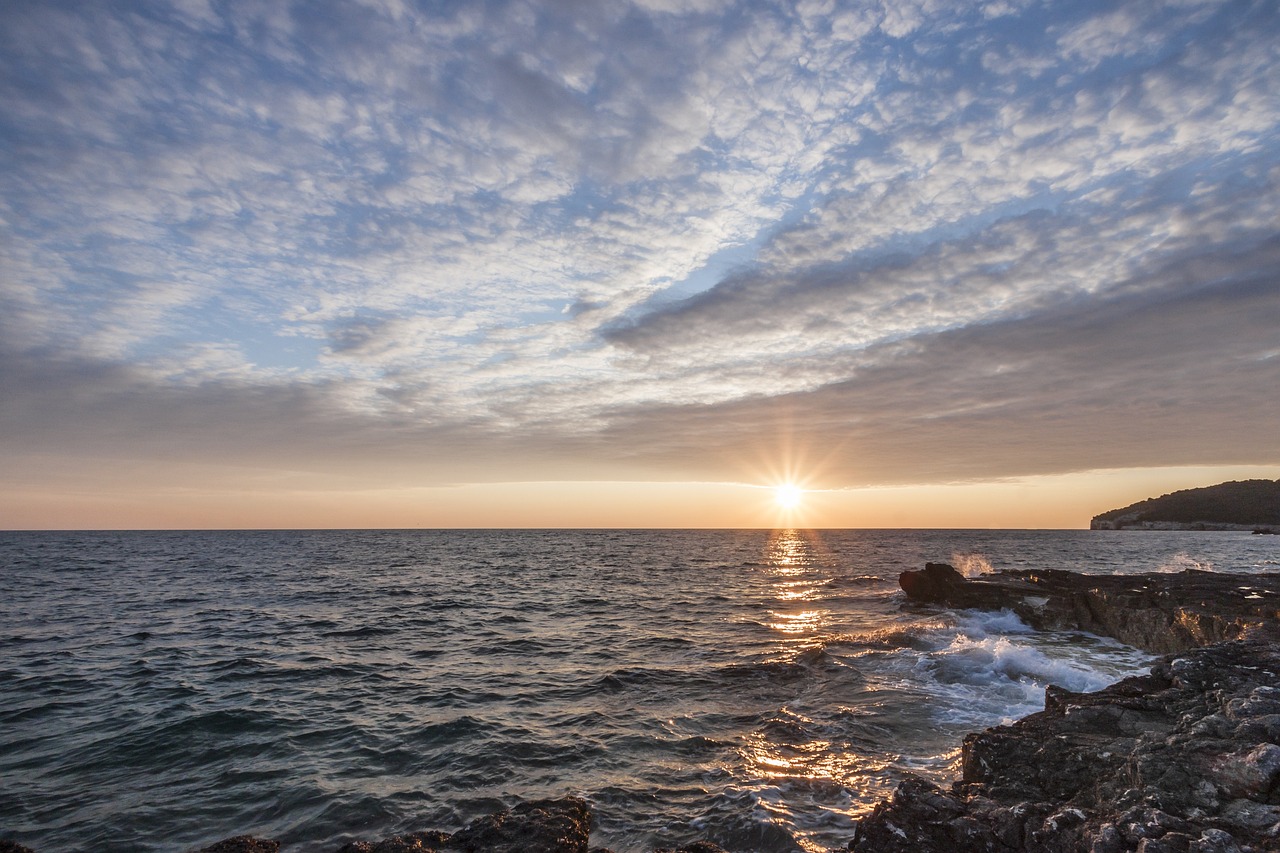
413,843
542,826
1154,763
935,582
921,817
695,847
1161,612
1214,841
243,844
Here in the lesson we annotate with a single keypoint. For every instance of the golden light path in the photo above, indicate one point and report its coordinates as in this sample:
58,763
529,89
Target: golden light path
798,567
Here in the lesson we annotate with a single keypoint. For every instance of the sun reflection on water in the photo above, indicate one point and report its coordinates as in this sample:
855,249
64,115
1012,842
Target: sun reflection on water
804,622
795,568
811,750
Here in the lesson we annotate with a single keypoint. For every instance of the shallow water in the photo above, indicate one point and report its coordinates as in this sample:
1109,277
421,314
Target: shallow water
159,691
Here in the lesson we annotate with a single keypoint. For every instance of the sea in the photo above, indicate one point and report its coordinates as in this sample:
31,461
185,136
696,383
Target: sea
758,689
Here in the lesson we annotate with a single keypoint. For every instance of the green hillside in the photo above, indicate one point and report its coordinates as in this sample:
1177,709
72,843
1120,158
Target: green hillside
1239,503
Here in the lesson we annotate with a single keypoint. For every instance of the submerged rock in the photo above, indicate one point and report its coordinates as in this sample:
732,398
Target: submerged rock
544,826
539,826
412,843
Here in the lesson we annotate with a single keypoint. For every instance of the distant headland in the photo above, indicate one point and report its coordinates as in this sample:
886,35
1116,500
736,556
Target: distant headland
1236,505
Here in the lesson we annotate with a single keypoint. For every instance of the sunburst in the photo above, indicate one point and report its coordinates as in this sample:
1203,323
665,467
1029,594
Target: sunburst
788,496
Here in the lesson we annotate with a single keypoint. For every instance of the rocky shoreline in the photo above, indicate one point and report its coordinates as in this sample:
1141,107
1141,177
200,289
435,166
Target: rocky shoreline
1161,612
1183,760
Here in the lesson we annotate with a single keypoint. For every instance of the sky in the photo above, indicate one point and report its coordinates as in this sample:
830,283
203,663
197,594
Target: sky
383,263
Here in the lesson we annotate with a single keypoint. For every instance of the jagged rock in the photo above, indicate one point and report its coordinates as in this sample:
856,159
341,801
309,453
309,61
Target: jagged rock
1180,760
243,844
542,826
695,847
1161,612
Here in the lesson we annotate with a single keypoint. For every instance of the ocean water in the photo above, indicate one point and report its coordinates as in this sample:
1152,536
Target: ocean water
162,690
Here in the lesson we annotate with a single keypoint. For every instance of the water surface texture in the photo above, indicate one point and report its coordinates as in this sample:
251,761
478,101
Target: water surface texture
159,691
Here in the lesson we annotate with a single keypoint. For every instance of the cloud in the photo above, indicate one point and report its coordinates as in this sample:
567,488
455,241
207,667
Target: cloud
364,221
1125,381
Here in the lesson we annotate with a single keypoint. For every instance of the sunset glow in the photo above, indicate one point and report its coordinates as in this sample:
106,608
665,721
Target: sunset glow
788,496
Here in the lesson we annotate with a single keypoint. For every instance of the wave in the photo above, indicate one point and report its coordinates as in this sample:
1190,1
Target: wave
971,565
362,631
1182,561
914,636
426,679
860,581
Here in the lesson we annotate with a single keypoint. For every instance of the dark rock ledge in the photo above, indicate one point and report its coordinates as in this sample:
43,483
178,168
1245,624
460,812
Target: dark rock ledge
1185,759
1161,612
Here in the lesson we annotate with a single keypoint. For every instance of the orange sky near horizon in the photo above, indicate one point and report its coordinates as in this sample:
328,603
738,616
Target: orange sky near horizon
1060,501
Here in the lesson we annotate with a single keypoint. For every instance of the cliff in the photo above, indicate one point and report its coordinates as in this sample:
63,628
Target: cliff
1237,505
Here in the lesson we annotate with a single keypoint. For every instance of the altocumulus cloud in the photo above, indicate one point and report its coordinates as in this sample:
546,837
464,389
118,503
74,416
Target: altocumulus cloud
435,242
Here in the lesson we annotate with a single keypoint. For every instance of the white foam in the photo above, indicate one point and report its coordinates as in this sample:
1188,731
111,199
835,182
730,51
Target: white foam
1182,561
971,565
983,623
990,668
992,659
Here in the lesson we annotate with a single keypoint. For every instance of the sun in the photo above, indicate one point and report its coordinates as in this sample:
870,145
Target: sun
788,496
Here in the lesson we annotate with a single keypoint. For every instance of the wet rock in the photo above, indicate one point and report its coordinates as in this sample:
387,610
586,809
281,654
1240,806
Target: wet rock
243,844
1161,612
695,847
541,826
416,842
1177,761
921,817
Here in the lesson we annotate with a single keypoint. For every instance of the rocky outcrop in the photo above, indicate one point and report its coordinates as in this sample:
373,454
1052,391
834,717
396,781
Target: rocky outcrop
1186,759
1160,612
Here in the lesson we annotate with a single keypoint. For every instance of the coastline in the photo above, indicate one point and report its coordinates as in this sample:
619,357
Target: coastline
1185,759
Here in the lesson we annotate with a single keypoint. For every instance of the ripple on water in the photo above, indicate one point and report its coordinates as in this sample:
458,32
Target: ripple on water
164,690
